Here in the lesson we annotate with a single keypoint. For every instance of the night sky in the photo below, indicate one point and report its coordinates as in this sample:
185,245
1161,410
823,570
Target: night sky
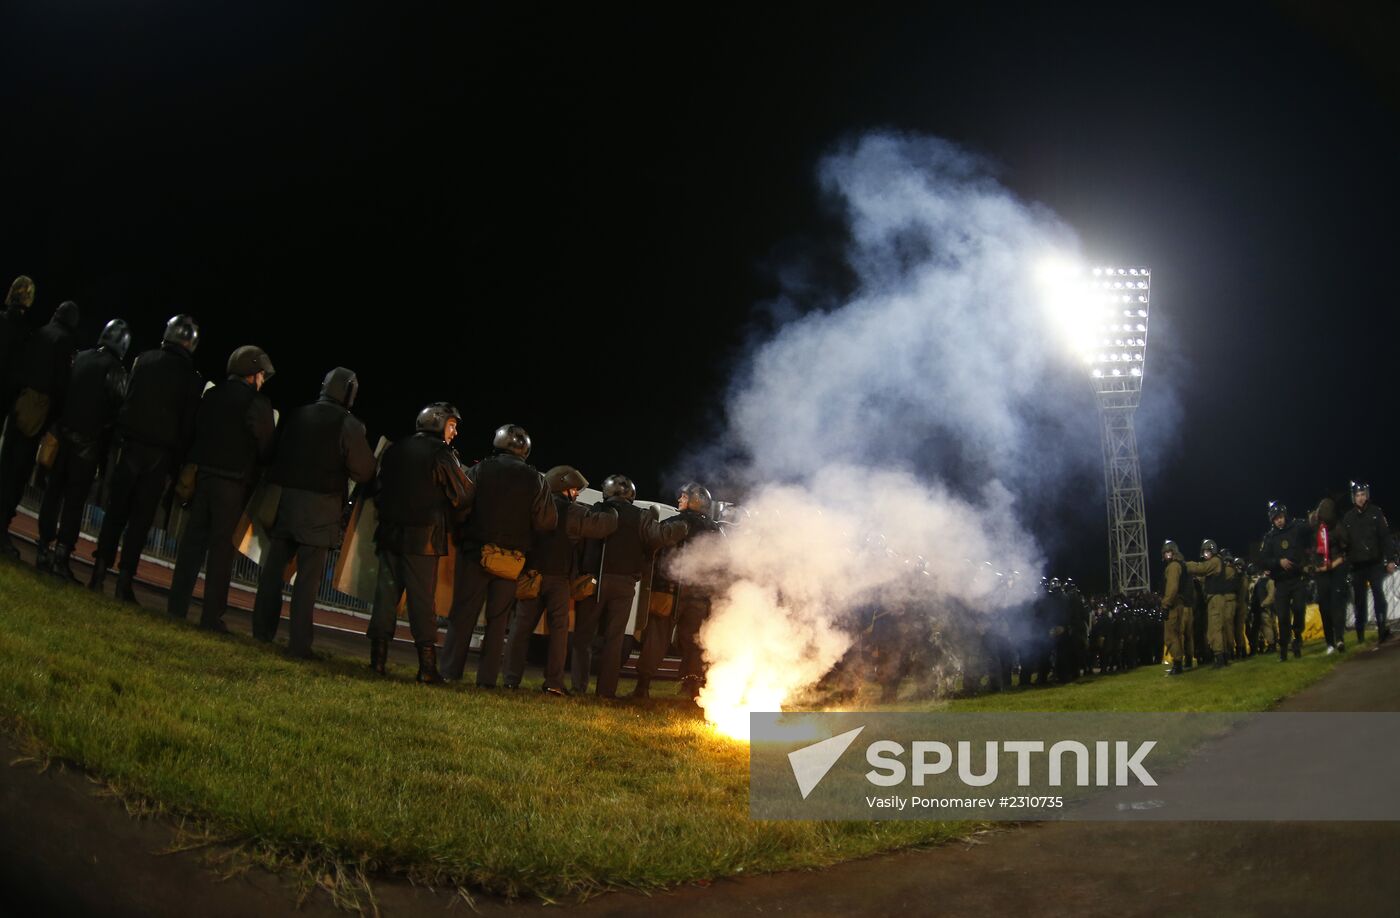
572,220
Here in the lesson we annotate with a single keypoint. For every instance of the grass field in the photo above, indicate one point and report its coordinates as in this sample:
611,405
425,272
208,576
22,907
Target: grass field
342,775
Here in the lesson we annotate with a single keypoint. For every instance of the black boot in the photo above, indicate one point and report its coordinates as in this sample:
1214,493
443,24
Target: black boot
1176,669
126,592
1224,660
378,654
643,689
98,578
43,561
61,568
427,663
690,687
1297,648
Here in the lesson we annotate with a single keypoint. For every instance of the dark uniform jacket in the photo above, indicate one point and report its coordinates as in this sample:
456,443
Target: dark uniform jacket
511,503
421,491
162,400
16,326
234,431
96,389
45,363
554,553
321,448
632,546
698,527
1291,542
1364,536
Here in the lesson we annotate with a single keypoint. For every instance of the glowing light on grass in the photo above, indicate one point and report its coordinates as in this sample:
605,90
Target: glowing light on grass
731,695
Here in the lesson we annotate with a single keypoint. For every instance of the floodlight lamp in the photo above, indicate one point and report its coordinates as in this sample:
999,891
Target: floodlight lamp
1117,372
1137,371
1142,313
1098,374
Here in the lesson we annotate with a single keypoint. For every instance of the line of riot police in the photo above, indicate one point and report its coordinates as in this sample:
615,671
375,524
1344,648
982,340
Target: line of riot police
155,435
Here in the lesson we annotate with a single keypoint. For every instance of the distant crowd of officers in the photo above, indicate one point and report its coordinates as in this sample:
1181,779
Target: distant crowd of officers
524,546
1212,610
1329,558
909,651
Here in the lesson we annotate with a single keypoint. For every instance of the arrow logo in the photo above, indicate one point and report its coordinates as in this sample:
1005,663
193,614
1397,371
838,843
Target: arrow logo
811,763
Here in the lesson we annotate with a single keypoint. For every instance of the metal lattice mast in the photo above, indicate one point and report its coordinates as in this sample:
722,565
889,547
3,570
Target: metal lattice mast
1117,361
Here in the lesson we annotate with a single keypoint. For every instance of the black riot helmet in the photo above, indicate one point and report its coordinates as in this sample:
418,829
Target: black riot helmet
1169,548
182,330
562,478
698,496
115,337
513,439
1208,547
619,486
1276,510
341,386
1358,486
433,419
67,315
250,360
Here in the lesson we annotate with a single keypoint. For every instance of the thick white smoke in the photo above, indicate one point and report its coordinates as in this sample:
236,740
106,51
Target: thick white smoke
915,412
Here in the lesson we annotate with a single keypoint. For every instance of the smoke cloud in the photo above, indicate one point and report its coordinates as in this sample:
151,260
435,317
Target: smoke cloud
883,446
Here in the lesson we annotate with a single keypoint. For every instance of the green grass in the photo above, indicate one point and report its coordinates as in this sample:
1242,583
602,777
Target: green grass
1255,684
325,767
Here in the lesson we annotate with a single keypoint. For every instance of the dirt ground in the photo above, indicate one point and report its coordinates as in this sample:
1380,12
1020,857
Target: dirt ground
66,849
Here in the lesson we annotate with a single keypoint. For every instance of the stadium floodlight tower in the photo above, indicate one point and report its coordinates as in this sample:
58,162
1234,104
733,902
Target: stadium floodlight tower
1116,359
1104,313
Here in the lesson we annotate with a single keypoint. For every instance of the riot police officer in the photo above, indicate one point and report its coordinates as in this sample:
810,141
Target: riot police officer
1284,553
1217,587
1370,552
154,429
1178,595
96,389
690,600
40,377
233,438
619,562
511,503
421,492
321,448
553,557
